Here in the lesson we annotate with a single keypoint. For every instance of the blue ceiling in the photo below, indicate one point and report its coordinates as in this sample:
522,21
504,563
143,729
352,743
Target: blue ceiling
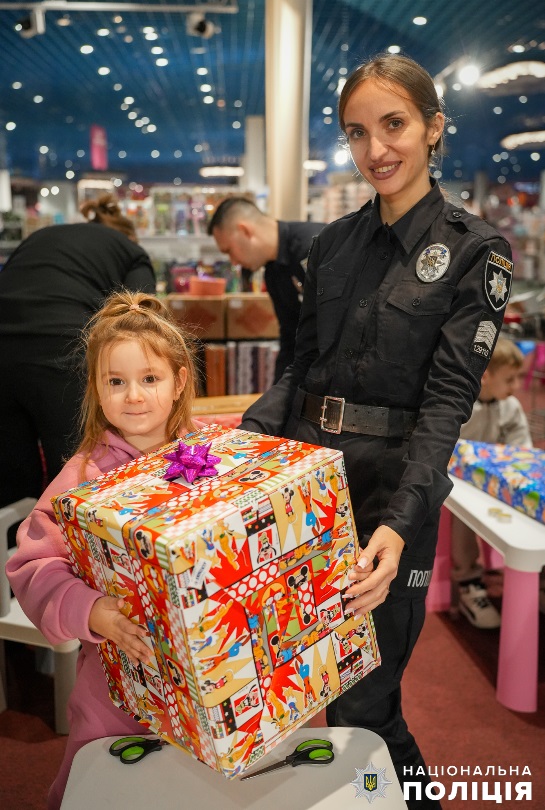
190,133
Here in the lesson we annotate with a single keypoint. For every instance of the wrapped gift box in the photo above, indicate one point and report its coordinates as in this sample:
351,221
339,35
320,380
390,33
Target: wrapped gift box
514,475
239,579
250,315
202,316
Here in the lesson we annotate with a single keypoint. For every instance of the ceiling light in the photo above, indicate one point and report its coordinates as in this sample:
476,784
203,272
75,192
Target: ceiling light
44,192
118,86
343,71
535,156
177,181
10,125
156,50
469,74
128,100
206,88
517,48
86,49
148,29
497,110
202,71
103,32
178,153
456,86
523,139
17,85
196,25
118,182
132,115
80,153
103,71
420,21
127,39
155,153
315,165
197,147
55,190
221,171
394,49
70,174
38,99
523,99
122,154
327,110
152,128
124,107
328,119
208,99
162,62
509,73
139,123
237,103
118,18
341,157
236,124
452,130
64,21
44,150
151,36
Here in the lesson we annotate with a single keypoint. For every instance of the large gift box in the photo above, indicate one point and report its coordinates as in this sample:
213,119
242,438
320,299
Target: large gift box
514,475
238,575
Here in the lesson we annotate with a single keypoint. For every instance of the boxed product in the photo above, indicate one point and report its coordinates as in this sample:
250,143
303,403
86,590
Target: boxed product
232,549
251,315
203,316
514,475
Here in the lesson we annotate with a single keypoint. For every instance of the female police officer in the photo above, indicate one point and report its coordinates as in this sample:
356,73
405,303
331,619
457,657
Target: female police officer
402,306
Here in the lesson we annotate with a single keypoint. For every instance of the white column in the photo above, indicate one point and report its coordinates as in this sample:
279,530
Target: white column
254,155
288,35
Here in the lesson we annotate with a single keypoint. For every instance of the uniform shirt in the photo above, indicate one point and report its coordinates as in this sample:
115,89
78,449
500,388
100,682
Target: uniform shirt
284,278
372,331
59,276
501,421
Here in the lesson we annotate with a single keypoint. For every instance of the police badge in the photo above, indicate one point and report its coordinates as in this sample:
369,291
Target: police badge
497,280
433,262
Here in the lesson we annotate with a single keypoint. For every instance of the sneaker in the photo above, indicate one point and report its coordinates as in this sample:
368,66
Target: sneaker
475,605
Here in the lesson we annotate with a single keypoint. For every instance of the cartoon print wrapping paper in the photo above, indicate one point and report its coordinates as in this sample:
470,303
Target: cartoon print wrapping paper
238,579
514,475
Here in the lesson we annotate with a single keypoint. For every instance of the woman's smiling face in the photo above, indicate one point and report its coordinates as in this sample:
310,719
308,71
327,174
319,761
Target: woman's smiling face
390,141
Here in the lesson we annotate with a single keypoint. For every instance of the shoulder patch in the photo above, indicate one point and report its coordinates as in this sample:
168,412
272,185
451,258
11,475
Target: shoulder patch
498,275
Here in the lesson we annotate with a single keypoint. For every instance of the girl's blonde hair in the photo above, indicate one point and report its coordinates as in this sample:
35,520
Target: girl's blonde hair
137,316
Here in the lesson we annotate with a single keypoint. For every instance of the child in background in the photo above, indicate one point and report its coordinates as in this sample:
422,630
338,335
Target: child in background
140,391
497,418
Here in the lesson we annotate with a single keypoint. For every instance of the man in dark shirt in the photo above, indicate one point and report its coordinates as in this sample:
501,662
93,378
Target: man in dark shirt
253,239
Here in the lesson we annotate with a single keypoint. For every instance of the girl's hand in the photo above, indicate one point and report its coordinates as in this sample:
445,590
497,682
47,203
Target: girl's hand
371,587
106,619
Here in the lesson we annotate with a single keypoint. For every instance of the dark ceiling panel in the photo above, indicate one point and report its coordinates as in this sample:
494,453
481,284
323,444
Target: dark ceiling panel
345,32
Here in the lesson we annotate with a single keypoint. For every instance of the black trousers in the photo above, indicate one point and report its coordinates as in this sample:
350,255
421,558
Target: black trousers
39,408
375,702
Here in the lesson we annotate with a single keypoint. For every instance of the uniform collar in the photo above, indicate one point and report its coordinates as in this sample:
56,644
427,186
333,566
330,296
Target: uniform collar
413,225
283,242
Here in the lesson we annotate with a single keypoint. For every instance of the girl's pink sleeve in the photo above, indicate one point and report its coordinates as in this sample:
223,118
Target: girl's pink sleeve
51,595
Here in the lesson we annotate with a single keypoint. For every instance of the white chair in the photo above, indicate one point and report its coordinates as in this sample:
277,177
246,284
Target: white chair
15,626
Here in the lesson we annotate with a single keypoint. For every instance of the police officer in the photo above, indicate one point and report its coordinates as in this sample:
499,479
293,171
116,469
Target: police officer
402,307
253,239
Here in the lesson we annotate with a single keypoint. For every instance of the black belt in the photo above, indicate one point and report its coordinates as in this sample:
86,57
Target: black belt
334,415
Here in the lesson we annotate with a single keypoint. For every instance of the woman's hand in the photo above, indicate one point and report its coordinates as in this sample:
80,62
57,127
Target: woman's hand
106,619
371,587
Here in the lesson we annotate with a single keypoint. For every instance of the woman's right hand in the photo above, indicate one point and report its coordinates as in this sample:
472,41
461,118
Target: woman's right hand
106,619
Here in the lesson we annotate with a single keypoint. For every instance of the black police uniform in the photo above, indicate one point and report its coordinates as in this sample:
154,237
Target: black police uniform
400,322
284,279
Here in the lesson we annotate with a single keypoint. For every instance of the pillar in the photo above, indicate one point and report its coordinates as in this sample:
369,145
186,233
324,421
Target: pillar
288,42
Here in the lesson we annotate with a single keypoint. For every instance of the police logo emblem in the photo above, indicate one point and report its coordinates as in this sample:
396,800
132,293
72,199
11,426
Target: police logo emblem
498,275
433,262
371,782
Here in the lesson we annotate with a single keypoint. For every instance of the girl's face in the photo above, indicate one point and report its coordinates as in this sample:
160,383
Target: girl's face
389,142
136,391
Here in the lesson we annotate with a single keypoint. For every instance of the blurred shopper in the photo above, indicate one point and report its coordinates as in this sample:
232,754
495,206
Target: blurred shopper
253,239
50,286
497,418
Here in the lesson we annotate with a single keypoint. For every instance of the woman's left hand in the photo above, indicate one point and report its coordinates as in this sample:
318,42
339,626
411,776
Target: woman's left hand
371,587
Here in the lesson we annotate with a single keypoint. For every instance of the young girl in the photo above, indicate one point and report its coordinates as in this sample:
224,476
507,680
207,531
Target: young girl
403,303
140,390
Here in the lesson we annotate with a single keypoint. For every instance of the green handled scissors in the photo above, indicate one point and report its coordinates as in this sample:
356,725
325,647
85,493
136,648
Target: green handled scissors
309,752
132,749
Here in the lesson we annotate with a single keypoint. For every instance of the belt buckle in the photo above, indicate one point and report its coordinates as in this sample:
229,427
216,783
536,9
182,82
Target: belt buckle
324,418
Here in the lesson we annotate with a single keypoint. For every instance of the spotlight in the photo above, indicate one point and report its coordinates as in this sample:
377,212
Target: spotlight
196,25
33,24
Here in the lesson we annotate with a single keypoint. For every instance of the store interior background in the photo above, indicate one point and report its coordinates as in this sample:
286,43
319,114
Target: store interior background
172,109
172,113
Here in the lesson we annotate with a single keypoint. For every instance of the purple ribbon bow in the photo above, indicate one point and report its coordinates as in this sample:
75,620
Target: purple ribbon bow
191,461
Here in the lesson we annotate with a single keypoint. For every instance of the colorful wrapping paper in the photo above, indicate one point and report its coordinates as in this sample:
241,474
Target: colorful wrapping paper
238,579
514,475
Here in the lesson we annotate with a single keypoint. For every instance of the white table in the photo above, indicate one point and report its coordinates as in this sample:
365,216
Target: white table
521,542
172,780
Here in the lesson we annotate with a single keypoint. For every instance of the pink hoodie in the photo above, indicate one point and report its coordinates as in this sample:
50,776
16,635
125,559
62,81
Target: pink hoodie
59,604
